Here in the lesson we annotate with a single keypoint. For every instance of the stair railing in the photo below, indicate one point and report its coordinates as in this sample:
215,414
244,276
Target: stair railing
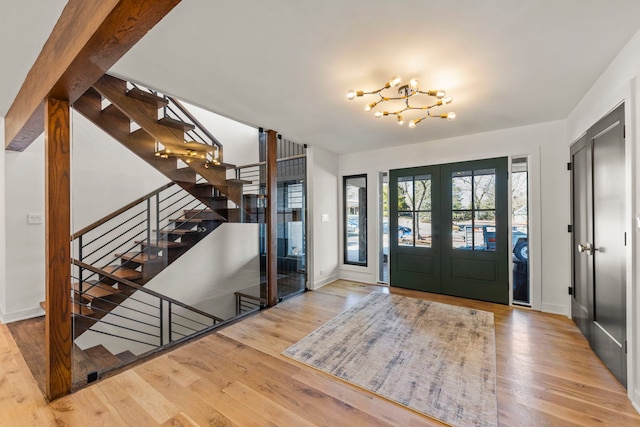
105,241
176,110
146,317
246,303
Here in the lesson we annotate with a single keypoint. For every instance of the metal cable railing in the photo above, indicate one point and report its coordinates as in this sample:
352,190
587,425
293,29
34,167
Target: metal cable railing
143,316
246,303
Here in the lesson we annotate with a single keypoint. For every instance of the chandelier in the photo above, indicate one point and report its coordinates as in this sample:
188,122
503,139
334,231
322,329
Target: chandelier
405,93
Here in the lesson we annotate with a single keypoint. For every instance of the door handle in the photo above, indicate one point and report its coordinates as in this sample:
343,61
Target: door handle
586,247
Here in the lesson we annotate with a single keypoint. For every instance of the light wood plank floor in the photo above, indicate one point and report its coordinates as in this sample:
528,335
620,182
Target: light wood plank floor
547,376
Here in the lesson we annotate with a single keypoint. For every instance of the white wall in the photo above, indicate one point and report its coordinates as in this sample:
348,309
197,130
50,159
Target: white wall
24,192
3,227
239,141
549,183
619,83
105,176
224,262
322,238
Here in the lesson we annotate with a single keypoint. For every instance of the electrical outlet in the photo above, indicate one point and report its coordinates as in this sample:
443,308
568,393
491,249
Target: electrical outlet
35,218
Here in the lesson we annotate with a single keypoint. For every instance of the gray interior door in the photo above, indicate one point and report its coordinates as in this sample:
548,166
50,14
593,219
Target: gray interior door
582,290
599,241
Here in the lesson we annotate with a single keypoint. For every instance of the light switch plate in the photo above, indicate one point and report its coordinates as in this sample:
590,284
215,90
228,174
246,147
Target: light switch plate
324,217
35,218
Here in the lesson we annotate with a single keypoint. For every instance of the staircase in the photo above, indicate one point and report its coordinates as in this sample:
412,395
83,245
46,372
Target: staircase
118,254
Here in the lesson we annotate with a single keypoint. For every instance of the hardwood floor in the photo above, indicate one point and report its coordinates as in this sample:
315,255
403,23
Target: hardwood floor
547,376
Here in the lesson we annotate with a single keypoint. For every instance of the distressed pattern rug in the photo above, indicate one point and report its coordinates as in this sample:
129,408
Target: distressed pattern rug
434,358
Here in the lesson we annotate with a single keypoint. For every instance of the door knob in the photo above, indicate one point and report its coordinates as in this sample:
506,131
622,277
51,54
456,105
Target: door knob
586,247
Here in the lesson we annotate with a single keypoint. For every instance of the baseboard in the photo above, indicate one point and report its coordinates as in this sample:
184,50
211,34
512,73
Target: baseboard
324,281
16,316
357,276
554,309
635,402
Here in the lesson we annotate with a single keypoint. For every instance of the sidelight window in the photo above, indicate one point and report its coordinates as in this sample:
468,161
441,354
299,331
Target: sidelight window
355,219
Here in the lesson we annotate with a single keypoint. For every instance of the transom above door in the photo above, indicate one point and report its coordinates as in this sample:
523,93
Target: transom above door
449,229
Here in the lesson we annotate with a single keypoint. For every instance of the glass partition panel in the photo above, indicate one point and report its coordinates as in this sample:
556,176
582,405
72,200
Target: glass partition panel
292,219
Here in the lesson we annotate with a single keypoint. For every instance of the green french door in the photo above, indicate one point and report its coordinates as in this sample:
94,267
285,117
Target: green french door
449,229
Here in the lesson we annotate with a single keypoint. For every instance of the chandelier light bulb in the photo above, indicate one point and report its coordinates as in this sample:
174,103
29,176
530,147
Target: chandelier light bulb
414,84
413,124
440,94
369,107
395,81
400,120
447,100
378,114
451,115
351,95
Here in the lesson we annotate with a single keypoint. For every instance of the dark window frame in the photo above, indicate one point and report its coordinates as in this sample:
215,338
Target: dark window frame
362,225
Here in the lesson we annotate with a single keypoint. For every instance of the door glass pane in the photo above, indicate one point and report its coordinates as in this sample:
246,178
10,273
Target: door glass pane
462,230
473,203
484,189
355,225
405,228
423,193
461,190
405,193
485,231
423,238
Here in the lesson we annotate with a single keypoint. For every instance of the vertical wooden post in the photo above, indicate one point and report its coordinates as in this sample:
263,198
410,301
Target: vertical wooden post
272,218
58,247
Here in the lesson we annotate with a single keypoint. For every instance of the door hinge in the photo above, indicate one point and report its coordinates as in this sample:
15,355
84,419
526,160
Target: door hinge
625,238
624,131
569,228
569,166
570,290
625,346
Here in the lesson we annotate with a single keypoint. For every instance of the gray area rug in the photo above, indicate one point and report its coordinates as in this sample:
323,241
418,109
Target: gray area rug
434,358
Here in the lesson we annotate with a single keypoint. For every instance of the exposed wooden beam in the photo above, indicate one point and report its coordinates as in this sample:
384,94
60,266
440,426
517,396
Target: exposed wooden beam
272,218
89,37
58,249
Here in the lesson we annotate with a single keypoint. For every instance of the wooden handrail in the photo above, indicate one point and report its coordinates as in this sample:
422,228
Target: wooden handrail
284,159
194,120
143,289
119,211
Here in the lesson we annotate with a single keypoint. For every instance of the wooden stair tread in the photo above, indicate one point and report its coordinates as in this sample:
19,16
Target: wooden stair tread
180,231
164,244
126,356
147,97
187,220
78,309
102,358
94,290
239,181
139,257
123,272
177,124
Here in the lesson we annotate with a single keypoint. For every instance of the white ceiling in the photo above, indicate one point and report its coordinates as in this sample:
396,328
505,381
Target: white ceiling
287,64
